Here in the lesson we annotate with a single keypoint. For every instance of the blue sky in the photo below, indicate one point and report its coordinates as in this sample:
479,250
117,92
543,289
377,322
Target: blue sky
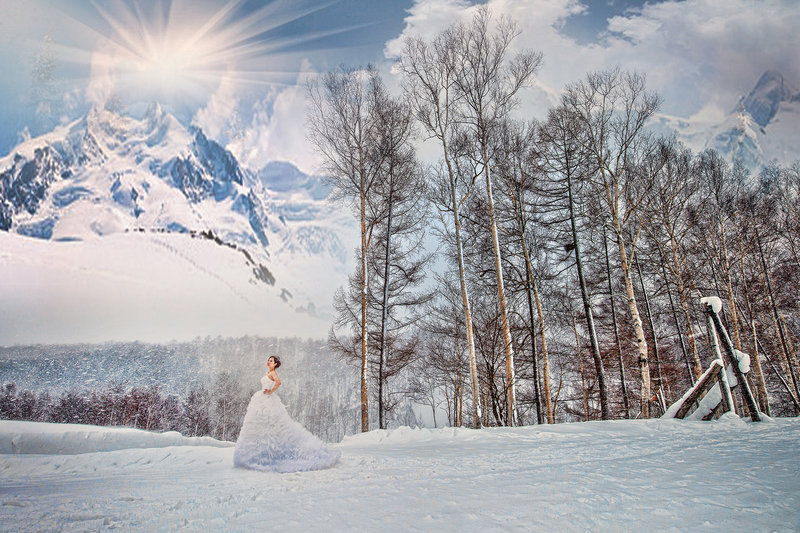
236,68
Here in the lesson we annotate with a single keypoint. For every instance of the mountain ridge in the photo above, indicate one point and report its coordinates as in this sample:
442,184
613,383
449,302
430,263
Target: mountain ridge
138,165
152,181
760,129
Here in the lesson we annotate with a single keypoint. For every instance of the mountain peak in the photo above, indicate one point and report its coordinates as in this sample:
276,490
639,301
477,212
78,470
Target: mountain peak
155,114
771,90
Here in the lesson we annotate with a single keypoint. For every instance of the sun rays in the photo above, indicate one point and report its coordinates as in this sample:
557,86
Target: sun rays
178,51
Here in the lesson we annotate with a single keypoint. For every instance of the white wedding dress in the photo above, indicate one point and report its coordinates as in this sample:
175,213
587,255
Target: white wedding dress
270,440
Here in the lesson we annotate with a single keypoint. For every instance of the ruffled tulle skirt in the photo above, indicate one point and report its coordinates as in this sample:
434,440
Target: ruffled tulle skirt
270,440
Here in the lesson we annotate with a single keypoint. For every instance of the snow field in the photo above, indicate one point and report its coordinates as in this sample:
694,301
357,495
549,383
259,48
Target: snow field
145,286
654,475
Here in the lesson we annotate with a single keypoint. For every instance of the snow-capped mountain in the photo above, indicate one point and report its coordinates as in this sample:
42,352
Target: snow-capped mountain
107,173
764,125
761,128
110,174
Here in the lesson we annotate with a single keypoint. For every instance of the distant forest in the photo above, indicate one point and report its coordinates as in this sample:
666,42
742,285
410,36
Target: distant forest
197,388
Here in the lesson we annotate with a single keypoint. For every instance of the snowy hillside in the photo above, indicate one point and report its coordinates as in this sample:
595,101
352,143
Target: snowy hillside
139,195
141,286
763,127
654,475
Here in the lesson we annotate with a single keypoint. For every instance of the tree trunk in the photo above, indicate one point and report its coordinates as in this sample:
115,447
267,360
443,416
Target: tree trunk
780,377
636,323
650,321
384,316
477,416
493,394
528,291
625,402
548,401
587,309
777,318
580,367
687,316
761,384
364,360
678,327
511,399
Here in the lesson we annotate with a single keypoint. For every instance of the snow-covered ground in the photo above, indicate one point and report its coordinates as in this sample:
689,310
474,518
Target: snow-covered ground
649,475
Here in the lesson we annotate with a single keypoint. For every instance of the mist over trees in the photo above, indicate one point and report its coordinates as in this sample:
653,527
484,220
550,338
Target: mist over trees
572,253
198,388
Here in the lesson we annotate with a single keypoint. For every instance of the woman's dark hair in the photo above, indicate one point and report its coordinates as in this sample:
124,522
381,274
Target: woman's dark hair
277,361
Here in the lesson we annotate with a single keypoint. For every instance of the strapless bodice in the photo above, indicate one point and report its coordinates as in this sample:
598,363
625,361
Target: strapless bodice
267,382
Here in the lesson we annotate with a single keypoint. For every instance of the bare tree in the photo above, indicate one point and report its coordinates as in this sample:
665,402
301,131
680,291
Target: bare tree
722,186
488,83
676,202
517,171
445,360
565,160
398,267
613,107
430,69
345,126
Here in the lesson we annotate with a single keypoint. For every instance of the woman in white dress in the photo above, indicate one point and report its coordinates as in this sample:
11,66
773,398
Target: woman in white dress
271,440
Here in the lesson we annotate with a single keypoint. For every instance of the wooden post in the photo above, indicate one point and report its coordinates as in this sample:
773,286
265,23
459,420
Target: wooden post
725,388
726,342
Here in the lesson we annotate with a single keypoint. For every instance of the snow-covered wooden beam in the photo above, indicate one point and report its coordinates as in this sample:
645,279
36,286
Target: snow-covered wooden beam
712,308
704,398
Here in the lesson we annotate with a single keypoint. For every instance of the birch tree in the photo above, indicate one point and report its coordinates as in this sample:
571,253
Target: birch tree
487,83
613,107
345,127
518,175
430,69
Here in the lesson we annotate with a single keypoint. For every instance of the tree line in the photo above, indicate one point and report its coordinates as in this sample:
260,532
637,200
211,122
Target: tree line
572,251
216,410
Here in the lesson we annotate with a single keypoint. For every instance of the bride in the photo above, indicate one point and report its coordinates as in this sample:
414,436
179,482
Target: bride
271,440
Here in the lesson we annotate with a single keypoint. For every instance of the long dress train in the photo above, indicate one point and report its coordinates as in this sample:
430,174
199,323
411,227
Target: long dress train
270,440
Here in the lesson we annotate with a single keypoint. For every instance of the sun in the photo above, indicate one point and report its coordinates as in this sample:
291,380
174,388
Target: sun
178,51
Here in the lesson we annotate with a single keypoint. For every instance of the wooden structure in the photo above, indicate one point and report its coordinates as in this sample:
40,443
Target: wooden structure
692,402
712,392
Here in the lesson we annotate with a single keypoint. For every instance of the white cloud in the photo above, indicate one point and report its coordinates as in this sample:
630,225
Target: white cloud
703,52
221,114
698,54
278,129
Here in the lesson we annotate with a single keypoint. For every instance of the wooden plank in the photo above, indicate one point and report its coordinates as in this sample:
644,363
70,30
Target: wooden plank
708,380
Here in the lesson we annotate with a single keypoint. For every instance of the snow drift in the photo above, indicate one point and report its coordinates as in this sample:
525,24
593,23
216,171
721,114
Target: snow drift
69,439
